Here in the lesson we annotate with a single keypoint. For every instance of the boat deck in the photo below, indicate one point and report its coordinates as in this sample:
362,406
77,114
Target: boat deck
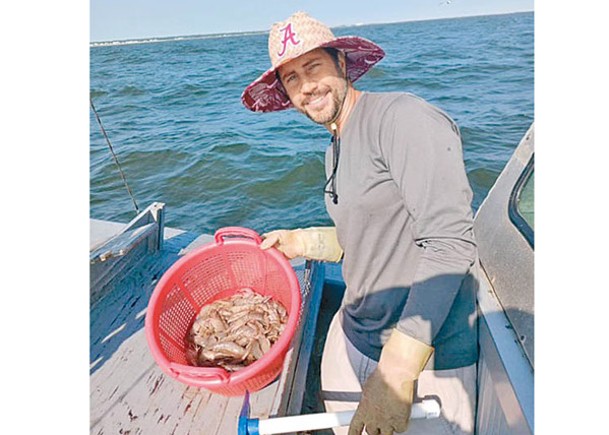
129,394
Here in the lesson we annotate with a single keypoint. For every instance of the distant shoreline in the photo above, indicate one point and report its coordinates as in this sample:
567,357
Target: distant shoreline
156,39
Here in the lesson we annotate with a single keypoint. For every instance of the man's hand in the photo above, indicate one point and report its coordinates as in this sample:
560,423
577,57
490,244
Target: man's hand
316,243
287,242
382,410
388,393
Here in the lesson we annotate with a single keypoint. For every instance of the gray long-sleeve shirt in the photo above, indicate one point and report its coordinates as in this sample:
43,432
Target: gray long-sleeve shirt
405,223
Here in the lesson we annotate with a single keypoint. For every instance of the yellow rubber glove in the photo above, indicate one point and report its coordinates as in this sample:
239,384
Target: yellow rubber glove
388,393
315,243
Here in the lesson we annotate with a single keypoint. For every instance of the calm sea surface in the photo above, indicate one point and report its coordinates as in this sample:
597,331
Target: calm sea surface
173,113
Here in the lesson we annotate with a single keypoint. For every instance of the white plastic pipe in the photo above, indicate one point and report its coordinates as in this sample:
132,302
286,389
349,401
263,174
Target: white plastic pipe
424,409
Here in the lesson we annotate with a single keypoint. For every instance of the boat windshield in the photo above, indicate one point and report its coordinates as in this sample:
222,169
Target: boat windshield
526,200
521,205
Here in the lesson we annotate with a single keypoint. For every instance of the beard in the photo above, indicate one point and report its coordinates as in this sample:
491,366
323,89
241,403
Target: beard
331,112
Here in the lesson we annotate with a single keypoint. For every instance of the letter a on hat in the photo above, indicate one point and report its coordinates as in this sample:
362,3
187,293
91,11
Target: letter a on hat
288,36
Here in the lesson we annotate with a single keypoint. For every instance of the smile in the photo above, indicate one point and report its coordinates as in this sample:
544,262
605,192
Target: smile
318,102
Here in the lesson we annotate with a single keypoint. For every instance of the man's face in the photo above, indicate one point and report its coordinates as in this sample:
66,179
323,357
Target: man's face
315,85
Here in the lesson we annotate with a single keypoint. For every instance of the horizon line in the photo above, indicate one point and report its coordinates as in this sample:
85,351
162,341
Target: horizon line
145,39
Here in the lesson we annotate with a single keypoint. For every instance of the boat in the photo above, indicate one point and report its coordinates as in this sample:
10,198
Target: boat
129,393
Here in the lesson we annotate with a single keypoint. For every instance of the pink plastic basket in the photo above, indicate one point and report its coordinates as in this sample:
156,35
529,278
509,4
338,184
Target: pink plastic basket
232,261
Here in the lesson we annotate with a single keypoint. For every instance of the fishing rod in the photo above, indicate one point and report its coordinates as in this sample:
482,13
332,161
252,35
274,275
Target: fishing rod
137,209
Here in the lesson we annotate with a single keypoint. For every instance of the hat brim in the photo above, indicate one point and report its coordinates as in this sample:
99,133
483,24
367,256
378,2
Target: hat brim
266,93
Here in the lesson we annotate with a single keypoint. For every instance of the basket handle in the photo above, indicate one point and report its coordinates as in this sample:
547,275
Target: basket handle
236,232
195,372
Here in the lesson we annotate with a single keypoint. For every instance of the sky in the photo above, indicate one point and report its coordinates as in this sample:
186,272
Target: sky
112,20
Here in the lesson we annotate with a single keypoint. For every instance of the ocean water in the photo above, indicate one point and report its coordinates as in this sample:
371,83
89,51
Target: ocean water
172,111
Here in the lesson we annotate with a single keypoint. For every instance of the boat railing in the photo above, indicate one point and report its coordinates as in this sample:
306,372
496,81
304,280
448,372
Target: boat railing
143,235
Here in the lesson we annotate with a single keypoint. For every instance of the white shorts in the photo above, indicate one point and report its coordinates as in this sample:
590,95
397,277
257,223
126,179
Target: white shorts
344,370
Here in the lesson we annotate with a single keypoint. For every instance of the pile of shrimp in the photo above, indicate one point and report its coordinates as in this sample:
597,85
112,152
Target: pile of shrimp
236,331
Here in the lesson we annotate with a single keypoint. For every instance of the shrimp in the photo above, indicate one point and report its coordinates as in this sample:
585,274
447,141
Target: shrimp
236,331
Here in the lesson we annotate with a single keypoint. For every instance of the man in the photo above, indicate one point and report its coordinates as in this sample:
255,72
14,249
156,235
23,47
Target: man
401,203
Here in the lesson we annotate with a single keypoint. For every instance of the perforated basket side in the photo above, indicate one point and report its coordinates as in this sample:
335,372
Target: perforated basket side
206,278
278,287
176,315
248,266
173,351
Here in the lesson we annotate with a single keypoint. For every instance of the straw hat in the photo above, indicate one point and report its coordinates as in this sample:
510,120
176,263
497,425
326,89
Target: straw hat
291,38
